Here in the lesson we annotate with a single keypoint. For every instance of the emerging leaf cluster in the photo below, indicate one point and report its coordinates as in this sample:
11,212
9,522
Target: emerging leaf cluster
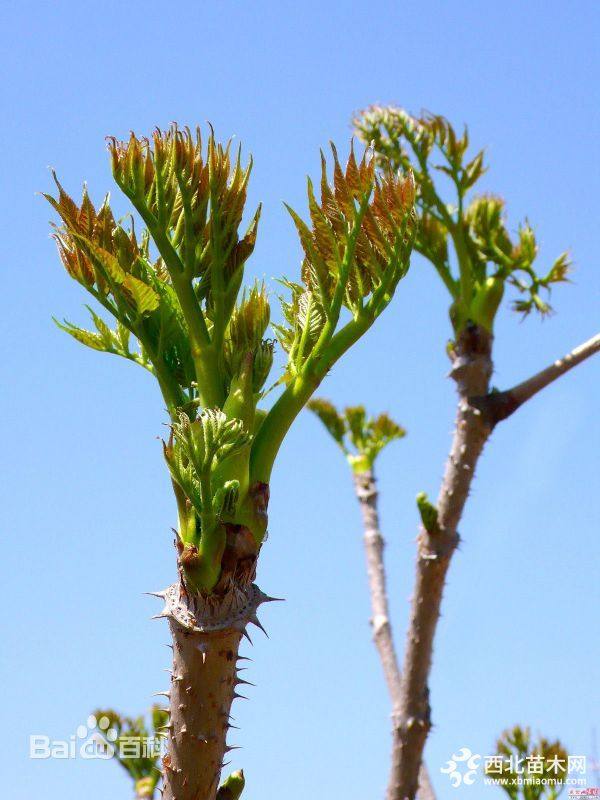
195,451
355,252
178,297
177,289
132,738
515,746
360,437
485,256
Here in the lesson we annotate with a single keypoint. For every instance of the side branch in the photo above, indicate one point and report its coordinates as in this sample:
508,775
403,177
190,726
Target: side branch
366,493
500,405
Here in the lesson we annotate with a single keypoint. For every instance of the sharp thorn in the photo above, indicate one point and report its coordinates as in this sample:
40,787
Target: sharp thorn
164,613
239,681
264,598
255,621
247,635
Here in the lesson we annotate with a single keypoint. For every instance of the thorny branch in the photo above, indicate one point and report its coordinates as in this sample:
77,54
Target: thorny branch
476,417
500,405
366,493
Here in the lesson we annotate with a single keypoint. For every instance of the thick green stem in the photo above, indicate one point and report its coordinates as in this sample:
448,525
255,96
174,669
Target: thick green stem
285,410
464,263
210,388
275,426
341,342
170,389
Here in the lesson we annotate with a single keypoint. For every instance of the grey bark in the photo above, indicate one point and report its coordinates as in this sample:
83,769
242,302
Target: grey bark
366,492
500,405
477,414
471,369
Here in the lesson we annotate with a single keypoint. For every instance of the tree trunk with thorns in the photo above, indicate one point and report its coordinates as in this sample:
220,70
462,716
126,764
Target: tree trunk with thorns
206,633
479,411
471,370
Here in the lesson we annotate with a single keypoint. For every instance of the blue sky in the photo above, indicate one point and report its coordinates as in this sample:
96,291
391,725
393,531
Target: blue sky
86,508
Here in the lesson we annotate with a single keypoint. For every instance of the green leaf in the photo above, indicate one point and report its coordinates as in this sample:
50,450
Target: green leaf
106,334
107,262
123,335
143,296
330,417
82,335
356,417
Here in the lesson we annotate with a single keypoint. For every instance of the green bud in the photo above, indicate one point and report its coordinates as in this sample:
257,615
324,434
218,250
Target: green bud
247,326
226,499
428,512
144,787
263,361
240,402
233,787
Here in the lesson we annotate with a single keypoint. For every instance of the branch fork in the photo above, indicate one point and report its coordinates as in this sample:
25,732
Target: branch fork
479,410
